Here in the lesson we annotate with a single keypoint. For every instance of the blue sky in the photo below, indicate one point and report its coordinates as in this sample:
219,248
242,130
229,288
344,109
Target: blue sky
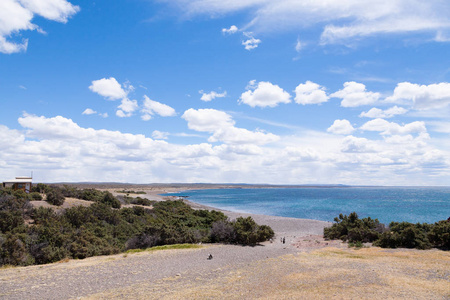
249,91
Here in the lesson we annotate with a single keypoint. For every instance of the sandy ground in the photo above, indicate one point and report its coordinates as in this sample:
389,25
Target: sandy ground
304,267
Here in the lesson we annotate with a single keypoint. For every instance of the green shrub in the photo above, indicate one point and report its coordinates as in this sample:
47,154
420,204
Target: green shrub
222,231
439,235
35,196
110,200
55,197
351,228
250,233
10,219
141,201
405,235
20,194
40,188
13,250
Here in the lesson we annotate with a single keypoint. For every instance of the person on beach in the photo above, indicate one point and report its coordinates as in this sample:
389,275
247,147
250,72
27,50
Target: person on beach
284,240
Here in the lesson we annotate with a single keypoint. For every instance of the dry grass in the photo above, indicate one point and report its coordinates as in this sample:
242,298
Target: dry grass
322,274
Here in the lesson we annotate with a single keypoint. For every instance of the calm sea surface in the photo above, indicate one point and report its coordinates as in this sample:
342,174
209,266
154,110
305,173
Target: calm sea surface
412,204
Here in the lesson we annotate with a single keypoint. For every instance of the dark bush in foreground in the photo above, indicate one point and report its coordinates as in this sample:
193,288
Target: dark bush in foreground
406,235
351,228
399,234
42,235
439,235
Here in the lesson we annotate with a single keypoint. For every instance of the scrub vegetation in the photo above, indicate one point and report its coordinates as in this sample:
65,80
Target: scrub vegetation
397,235
42,235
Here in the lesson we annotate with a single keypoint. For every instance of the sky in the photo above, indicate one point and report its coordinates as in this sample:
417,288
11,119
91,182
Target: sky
231,91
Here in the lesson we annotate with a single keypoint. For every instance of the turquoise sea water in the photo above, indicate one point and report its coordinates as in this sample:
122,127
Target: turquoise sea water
412,204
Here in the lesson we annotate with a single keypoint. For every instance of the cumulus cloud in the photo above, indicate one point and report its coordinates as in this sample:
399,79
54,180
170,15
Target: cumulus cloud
250,43
341,20
207,120
392,128
222,126
233,29
310,93
264,94
383,114
341,127
16,16
423,97
211,95
126,108
108,88
151,108
353,144
355,94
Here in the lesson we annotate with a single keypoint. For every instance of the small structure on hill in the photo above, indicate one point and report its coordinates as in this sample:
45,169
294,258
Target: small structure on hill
20,183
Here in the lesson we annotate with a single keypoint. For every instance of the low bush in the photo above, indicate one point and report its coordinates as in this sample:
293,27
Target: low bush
55,197
351,228
398,234
35,196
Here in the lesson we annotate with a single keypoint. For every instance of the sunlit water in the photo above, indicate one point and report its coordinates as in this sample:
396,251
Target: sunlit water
412,204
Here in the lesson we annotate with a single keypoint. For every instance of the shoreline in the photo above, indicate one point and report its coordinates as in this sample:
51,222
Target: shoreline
289,228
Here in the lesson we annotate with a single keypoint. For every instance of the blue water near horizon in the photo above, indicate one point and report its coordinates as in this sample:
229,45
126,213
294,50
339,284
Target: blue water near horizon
387,204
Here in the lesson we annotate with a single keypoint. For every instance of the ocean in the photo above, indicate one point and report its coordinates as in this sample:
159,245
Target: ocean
387,204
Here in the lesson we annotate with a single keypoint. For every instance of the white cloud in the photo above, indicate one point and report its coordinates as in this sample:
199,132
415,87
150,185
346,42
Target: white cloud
126,108
408,24
159,135
16,16
207,120
383,114
423,97
55,10
151,107
108,88
233,29
89,111
352,144
354,94
310,93
250,43
341,127
222,126
212,95
341,20
233,135
61,150
391,128
265,94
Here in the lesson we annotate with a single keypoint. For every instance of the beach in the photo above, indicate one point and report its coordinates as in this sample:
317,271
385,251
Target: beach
303,266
